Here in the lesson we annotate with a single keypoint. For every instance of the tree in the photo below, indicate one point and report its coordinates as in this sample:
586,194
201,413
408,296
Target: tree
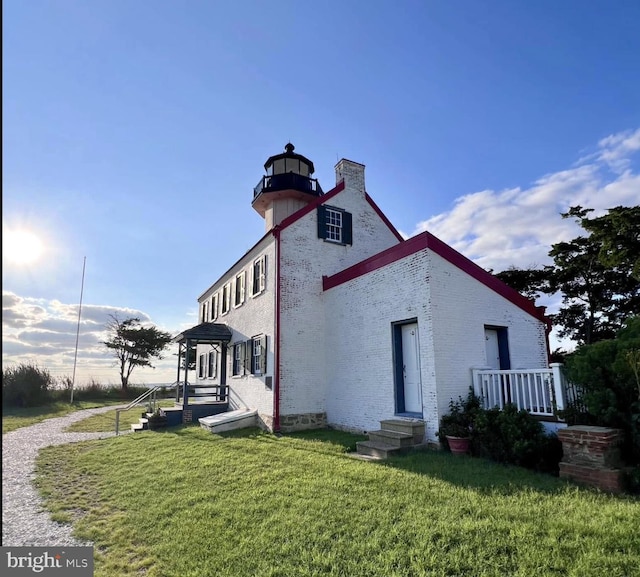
607,372
618,234
597,275
134,345
531,282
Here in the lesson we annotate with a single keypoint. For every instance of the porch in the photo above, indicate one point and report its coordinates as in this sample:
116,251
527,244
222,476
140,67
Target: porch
204,398
541,392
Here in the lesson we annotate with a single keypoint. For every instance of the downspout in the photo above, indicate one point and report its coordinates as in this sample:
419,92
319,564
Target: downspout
276,351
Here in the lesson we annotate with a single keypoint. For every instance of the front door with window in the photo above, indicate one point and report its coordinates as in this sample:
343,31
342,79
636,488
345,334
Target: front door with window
492,348
411,382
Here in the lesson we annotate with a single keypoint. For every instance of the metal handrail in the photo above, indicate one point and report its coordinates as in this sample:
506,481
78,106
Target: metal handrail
148,393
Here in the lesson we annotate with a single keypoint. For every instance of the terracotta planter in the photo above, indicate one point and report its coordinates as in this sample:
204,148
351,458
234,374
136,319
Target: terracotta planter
459,445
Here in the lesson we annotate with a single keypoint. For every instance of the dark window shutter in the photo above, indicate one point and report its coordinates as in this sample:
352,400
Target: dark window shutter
247,356
255,278
233,361
263,354
322,222
347,228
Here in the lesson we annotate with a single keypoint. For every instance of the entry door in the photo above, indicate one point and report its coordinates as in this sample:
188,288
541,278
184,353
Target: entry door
492,348
411,369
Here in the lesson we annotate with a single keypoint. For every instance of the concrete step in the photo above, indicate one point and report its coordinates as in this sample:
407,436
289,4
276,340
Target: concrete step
393,438
377,449
413,427
138,427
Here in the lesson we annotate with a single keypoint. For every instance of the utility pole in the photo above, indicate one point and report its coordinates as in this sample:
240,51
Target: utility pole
75,358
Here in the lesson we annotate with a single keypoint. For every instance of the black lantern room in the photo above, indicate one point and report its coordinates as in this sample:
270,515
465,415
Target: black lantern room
286,187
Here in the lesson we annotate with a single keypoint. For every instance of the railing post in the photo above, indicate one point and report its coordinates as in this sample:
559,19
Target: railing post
476,379
558,386
117,421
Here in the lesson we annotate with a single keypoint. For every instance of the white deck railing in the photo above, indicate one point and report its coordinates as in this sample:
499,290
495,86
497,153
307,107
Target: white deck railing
539,391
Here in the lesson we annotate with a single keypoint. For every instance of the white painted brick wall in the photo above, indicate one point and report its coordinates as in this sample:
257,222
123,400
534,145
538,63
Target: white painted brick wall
462,307
451,309
304,260
256,316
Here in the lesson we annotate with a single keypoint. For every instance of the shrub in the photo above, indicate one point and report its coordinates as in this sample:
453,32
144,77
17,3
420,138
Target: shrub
507,436
515,436
26,385
608,374
459,421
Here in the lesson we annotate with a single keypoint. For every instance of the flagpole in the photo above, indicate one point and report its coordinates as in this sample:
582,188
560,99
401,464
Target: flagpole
75,358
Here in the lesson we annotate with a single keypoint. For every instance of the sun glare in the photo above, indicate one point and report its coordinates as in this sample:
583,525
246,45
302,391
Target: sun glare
21,246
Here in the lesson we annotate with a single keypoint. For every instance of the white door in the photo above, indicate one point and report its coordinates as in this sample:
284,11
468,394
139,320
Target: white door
411,369
492,349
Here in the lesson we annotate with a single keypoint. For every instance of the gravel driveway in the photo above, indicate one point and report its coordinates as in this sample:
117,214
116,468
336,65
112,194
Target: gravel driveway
24,520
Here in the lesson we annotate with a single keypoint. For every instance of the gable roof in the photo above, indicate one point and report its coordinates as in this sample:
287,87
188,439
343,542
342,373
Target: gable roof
427,240
328,196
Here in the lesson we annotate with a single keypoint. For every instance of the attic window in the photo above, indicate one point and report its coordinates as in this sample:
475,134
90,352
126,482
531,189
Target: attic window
335,225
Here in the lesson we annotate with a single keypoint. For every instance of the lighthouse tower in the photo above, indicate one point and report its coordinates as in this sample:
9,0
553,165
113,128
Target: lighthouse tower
286,188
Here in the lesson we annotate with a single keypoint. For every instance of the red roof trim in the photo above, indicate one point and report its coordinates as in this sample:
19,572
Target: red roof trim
383,217
312,205
427,240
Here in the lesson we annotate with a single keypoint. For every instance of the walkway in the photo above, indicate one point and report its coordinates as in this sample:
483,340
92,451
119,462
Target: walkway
24,520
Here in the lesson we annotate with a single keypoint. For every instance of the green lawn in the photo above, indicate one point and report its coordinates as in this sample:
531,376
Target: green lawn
186,503
13,418
107,421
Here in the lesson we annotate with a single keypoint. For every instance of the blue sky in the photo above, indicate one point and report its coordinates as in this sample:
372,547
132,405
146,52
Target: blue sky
134,133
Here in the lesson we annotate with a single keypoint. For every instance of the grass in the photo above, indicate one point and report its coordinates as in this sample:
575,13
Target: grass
107,421
15,418
183,502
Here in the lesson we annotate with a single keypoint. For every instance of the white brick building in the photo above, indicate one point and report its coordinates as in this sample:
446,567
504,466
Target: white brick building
333,319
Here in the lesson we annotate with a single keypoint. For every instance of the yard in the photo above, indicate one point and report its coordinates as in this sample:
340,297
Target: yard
187,503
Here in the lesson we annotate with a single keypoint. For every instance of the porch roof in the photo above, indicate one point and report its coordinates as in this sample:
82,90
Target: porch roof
205,333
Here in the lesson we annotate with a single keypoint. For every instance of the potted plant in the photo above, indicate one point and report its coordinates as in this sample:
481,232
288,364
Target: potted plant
455,427
157,419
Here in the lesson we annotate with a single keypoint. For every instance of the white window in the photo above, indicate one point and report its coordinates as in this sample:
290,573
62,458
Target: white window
201,366
259,275
212,365
258,347
334,225
226,298
238,359
203,313
239,293
214,307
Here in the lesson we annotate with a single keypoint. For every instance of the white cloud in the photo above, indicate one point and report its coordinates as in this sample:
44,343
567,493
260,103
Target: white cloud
42,332
617,148
517,226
